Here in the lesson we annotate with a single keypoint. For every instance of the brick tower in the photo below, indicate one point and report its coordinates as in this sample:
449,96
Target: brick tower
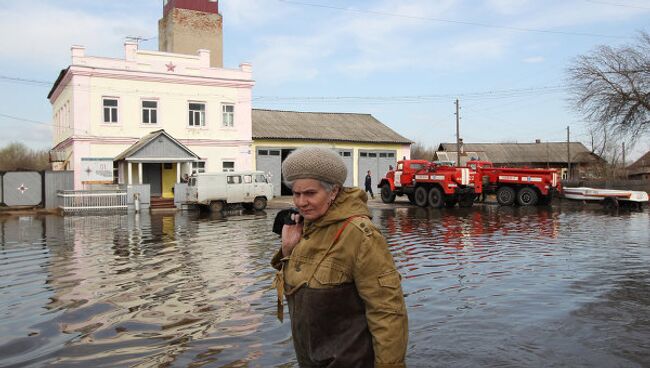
190,25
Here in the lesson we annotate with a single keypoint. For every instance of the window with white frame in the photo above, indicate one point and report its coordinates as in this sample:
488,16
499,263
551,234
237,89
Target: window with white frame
198,167
149,112
228,166
228,112
197,114
110,109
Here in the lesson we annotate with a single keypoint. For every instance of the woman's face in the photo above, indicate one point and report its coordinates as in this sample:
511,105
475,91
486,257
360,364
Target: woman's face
311,199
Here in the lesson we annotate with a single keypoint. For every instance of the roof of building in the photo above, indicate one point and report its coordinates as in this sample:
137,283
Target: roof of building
144,141
322,126
525,152
640,166
58,80
644,161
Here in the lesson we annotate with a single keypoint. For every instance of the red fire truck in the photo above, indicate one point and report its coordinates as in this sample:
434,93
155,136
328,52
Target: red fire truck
524,186
441,184
428,183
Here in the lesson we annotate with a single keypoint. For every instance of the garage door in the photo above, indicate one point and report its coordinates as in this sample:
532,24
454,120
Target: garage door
346,155
377,162
269,160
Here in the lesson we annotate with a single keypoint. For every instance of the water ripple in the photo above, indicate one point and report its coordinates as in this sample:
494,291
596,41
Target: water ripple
485,286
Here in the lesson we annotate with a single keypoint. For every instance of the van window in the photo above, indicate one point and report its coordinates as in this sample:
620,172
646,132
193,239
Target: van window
259,178
234,179
248,179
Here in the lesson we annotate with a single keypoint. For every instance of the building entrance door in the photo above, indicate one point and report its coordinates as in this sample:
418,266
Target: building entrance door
152,175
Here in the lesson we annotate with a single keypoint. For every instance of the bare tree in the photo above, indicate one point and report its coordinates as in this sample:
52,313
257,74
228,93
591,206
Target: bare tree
421,152
611,88
16,156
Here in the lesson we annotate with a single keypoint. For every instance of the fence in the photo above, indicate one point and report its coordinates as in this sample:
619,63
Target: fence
20,189
81,201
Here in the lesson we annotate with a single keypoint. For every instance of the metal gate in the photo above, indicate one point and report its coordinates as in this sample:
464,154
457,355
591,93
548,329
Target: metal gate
269,160
22,188
377,162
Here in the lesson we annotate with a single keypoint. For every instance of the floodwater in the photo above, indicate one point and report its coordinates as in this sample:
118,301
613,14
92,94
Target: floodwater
485,287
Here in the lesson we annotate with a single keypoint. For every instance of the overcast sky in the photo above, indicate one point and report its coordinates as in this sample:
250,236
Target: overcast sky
405,62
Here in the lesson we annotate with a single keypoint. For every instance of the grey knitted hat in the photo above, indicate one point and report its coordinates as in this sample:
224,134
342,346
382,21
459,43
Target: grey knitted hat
315,163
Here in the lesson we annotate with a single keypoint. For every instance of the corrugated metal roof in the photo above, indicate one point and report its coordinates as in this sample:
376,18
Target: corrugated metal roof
322,126
525,152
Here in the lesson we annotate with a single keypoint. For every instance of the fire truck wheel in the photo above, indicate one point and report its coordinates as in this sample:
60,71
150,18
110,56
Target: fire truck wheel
527,196
436,199
421,196
506,196
387,195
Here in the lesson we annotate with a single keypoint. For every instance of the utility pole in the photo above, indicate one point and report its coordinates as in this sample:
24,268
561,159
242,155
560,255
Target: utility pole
568,153
457,133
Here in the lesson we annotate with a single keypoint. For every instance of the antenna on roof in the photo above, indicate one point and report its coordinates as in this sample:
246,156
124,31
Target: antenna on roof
137,39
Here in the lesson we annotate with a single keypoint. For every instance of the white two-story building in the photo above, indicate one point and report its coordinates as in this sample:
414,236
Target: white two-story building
150,118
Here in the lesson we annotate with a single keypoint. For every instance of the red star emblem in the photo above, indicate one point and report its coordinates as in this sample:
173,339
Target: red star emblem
170,67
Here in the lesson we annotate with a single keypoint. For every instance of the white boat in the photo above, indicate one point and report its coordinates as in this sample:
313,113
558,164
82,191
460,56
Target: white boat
613,195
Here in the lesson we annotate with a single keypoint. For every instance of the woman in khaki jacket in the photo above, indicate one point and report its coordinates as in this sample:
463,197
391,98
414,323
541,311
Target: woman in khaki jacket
345,299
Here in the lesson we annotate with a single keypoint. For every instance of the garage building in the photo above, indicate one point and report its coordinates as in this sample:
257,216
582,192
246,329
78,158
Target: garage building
363,142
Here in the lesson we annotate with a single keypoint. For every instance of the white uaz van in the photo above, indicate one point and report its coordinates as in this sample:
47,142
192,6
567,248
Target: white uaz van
216,190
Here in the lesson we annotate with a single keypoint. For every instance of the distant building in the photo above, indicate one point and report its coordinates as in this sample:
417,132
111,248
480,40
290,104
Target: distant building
104,107
536,155
640,169
363,142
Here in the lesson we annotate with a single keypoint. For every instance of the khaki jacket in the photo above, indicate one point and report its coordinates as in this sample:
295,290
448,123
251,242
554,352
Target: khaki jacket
360,257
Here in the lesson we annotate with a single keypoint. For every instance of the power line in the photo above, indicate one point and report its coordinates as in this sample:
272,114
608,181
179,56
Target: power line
25,120
485,25
478,95
25,81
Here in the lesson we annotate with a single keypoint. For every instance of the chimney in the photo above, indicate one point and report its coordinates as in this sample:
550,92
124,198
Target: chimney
78,52
130,48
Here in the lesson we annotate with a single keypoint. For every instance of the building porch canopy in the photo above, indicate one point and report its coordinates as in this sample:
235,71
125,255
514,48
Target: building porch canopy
156,147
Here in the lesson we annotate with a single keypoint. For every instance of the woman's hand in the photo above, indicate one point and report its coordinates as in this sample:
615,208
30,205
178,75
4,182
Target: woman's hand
291,235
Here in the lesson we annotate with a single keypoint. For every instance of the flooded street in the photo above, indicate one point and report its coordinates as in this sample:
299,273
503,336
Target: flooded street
485,287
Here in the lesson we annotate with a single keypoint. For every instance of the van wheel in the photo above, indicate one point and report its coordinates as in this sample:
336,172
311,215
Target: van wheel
259,203
387,195
506,196
421,196
216,206
527,197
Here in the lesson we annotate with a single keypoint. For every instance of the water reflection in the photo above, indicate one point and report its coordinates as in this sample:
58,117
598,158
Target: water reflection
485,286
